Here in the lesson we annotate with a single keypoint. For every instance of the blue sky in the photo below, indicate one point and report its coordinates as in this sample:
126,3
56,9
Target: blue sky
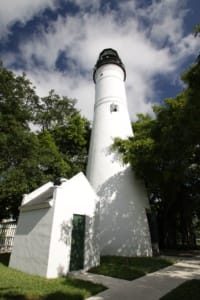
57,42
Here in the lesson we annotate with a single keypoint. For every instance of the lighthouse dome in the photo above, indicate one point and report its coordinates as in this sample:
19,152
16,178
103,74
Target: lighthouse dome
109,56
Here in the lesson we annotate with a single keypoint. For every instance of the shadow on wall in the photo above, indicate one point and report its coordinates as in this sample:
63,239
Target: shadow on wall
92,253
30,219
66,231
123,223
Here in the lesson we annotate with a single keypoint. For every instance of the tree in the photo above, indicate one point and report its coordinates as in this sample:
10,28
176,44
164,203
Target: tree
165,152
196,30
17,100
54,110
72,140
70,131
29,159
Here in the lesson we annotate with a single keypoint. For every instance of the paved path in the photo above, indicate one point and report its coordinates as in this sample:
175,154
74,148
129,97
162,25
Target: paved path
149,287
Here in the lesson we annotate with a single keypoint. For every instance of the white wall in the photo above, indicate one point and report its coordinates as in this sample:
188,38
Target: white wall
107,125
31,243
73,197
123,224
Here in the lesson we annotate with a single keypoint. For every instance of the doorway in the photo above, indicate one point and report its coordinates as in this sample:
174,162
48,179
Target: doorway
77,243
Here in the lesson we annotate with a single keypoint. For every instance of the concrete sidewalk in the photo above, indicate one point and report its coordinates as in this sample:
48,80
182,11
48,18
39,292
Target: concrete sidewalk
152,286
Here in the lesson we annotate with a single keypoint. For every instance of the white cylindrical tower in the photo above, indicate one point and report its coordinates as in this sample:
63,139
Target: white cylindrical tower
123,201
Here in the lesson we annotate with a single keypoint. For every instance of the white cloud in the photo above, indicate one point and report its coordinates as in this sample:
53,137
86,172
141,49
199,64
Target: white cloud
79,88
83,35
166,19
20,11
95,4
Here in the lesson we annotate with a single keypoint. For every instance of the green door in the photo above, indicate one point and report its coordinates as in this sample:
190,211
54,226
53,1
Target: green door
77,244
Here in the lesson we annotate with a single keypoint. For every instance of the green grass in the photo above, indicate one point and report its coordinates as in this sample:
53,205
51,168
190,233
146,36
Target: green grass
130,268
15,285
190,290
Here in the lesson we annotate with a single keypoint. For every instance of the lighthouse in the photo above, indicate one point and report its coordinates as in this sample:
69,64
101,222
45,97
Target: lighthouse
123,202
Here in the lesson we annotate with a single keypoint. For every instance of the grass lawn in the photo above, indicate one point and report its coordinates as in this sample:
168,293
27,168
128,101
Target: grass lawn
190,290
15,285
130,268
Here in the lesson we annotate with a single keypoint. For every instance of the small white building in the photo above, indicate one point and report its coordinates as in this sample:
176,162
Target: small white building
57,229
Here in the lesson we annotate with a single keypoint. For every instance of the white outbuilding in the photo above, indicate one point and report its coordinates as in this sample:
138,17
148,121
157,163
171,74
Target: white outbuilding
57,229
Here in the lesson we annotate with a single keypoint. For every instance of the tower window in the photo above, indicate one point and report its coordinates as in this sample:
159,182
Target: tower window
114,107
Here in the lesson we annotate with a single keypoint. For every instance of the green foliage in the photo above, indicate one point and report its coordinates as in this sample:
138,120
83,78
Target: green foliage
18,285
29,159
68,129
196,30
54,110
72,141
165,153
17,143
130,268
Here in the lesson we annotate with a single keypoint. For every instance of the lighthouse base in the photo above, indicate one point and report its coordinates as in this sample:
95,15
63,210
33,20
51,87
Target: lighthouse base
124,229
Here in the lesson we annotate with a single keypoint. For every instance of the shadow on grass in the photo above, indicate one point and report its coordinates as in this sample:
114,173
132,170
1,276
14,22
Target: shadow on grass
4,258
188,290
118,271
129,268
17,288
61,296
11,295
52,296
5,294
86,285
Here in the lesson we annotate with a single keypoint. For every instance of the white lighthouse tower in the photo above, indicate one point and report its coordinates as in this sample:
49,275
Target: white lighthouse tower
123,203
